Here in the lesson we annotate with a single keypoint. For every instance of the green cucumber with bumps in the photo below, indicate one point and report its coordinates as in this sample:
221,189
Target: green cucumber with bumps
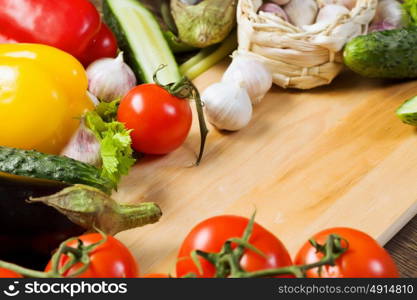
33,164
387,54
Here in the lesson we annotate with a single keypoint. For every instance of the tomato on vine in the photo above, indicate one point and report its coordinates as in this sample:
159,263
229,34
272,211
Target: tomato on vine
160,122
211,235
364,257
160,116
109,258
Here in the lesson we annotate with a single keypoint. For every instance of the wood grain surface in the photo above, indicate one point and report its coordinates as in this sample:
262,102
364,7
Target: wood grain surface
403,247
333,156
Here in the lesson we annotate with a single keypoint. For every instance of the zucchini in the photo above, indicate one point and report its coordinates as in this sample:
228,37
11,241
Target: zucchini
38,165
141,39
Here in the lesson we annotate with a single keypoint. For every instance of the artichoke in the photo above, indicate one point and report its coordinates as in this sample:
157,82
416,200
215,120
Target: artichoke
203,23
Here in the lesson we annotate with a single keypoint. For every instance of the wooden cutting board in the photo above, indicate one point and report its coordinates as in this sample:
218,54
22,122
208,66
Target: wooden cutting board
309,160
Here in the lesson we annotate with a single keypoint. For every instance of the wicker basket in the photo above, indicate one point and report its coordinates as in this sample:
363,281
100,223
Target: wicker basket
299,59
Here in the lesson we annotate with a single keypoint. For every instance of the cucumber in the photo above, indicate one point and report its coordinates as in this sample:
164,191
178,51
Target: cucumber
141,39
38,165
408,111
384,54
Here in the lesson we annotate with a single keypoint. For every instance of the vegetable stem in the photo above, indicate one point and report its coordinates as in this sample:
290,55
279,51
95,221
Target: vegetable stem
227,261
91,209
208,57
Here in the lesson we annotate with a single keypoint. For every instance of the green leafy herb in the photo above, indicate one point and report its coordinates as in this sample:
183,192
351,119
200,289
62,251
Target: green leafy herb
116,151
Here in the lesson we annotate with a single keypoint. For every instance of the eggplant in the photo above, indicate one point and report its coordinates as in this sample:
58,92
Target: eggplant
29,232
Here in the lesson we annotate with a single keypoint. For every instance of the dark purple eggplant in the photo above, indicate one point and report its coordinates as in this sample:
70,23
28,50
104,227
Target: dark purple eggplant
29,232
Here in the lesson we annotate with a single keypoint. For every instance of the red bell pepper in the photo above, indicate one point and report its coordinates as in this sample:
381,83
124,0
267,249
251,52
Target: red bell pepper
70,25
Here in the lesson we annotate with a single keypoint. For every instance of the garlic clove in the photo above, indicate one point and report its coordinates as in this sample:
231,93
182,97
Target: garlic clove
250,74
301,12
389,15
110,78
227,106
274,9
84,146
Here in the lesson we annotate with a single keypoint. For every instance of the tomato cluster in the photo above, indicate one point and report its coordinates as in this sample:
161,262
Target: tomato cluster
362,256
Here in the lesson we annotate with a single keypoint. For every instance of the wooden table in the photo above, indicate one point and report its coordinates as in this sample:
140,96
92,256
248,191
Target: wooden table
403,247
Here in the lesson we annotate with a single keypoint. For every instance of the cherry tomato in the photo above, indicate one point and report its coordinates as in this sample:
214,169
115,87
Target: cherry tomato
211,234
103,44
159,120
5,273
111,259
156,275
364,257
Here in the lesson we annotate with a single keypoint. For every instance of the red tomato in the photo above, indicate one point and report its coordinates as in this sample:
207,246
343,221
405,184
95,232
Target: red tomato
211,234
159,120
109,260
103,44
364,257
5,273
156,275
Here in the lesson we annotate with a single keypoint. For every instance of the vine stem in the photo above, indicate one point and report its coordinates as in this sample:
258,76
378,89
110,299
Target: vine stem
76,255
227,261
185,89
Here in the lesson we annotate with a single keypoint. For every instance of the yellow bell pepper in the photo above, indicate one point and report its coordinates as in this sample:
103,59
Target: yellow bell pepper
42,97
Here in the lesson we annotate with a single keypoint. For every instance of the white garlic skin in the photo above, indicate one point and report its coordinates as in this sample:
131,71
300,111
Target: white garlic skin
227,106
250,74
84,146
110,78
301,12
389,15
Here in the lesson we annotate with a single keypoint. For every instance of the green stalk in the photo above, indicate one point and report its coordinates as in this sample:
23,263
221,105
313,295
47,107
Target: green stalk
90,208
227,261
208,57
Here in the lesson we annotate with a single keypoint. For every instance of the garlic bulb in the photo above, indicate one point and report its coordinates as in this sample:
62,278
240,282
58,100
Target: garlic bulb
227,106
389,15
110,78
250,74
274,9
84,146
301,12
326,16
